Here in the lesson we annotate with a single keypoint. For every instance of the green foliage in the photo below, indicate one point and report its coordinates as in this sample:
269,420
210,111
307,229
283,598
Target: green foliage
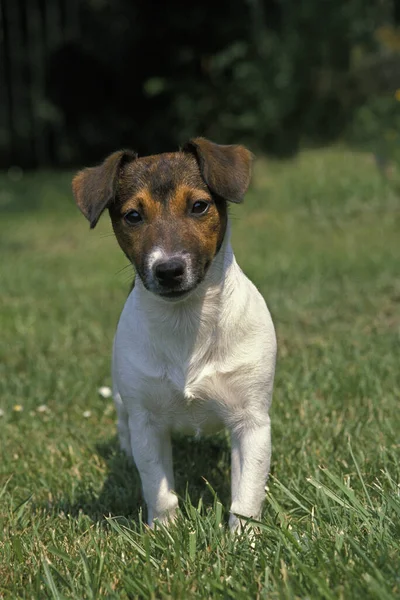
376,126
277,75
376,119
287,79
320,238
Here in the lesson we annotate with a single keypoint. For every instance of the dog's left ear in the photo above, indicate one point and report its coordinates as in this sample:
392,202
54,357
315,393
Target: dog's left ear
96,187
225,169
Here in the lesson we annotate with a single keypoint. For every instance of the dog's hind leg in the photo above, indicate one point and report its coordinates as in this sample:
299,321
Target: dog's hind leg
123,425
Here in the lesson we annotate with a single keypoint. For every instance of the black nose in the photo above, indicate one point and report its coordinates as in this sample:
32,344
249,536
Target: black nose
170,272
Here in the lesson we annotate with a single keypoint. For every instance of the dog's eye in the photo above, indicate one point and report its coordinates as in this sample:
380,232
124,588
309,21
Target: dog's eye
200,207
132,217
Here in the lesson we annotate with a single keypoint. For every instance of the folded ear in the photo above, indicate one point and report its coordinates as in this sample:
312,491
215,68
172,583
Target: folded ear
225,169
95,188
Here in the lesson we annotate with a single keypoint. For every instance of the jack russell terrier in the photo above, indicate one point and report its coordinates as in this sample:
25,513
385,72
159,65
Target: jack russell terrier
195,346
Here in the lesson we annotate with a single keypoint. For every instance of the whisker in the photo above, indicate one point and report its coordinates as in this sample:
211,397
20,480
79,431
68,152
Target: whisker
129,265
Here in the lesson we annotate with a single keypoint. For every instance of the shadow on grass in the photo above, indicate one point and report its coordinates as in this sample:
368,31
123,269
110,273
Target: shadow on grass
194,461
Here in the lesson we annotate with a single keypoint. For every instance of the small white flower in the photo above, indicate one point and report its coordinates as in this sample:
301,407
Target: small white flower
2,413
105,391
42,408
87,414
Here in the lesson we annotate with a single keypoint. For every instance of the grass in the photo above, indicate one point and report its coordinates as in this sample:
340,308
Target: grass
320,236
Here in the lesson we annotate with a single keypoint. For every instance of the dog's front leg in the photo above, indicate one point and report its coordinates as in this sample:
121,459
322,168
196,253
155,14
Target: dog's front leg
152,453
251,456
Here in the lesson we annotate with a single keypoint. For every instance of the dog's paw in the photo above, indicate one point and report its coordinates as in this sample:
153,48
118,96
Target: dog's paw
167,514
166,519
238,526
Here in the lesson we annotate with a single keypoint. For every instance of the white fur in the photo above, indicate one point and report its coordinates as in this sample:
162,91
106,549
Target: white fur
155,255
197,365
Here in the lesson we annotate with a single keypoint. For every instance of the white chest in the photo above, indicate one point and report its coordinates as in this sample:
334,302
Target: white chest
175,392
199,366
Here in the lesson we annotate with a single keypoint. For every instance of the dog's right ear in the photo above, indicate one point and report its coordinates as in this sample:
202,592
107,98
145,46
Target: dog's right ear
95,188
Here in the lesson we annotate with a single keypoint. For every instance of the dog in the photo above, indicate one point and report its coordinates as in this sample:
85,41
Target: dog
195,346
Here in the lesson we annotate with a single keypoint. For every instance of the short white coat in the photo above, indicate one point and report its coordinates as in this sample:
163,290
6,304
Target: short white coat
196,366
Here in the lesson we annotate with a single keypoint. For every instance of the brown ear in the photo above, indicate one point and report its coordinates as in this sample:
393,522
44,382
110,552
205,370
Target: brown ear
95,188
225,169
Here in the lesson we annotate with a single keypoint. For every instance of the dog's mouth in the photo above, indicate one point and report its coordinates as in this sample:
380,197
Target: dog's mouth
174,294
182,291
169,293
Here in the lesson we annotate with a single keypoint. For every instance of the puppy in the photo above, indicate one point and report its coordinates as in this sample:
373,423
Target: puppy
195,346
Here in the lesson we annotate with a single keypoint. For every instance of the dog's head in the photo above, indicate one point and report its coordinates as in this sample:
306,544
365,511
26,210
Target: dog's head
168,211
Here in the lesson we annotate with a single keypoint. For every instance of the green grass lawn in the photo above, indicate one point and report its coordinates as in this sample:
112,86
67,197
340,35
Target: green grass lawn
320,237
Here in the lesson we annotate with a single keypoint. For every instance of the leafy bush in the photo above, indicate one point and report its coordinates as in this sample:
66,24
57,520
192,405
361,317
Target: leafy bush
376,125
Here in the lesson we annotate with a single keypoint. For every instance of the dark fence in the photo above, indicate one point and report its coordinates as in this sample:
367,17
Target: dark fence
80,78
31,31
